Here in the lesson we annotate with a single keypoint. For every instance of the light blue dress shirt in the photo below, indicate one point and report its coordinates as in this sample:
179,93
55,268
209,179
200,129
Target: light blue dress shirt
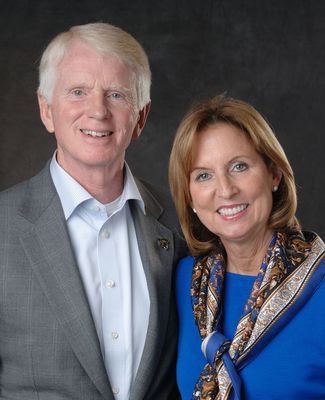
105,245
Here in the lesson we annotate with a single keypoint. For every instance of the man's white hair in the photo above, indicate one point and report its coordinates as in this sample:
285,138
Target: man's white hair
105,39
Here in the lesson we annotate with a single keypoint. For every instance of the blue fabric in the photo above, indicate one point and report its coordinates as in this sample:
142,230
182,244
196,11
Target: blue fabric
237,288
290,366
218,343
190,358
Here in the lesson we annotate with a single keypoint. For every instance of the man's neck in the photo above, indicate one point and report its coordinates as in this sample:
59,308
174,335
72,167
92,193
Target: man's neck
104,184
103,189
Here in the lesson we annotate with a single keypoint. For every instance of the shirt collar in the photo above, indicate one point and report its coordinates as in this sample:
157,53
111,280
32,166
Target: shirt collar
72,194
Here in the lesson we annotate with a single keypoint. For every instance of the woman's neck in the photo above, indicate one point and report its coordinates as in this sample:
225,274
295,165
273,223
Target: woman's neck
246,258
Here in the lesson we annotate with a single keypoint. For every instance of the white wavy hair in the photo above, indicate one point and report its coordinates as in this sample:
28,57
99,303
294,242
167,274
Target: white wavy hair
105,39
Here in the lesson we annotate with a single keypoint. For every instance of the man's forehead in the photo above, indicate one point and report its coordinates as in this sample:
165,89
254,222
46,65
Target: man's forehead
82,60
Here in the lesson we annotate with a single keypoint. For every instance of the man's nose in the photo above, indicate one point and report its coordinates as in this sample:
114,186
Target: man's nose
98,107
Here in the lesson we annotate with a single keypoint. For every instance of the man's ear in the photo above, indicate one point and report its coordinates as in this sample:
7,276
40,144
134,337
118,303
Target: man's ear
45,113
142,118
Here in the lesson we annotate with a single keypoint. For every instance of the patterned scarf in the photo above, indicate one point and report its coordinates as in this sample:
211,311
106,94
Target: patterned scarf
286,253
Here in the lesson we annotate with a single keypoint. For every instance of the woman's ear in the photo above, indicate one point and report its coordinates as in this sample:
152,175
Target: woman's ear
276,176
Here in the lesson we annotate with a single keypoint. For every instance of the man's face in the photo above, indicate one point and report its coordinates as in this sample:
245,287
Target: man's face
93,112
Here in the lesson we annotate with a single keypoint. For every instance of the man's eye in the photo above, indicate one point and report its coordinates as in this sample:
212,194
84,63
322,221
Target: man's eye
115,95
77,92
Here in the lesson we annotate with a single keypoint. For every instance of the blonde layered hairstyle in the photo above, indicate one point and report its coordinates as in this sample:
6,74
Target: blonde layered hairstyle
243,116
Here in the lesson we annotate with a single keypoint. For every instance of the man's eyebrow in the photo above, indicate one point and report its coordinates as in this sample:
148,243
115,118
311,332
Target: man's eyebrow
118,88
76,85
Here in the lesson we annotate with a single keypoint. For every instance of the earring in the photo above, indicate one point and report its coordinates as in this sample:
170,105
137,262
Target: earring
194,210
275,188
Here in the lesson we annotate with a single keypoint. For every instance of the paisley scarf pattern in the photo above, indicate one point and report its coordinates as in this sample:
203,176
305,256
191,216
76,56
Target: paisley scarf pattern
288,262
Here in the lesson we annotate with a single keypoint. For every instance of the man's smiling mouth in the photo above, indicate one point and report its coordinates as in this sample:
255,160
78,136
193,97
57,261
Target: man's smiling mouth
95,133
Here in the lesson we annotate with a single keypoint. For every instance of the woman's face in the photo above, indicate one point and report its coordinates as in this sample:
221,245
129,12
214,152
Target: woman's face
230,185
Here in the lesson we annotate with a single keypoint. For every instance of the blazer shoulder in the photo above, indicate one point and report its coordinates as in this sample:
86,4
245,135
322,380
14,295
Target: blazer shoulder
34,191
159,202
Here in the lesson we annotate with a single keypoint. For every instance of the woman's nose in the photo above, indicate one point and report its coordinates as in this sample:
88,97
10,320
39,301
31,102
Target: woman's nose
226,187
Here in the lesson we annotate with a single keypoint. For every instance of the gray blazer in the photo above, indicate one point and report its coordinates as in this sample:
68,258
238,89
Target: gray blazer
49,349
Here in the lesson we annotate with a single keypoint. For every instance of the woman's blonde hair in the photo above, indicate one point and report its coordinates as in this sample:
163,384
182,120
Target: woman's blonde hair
243,116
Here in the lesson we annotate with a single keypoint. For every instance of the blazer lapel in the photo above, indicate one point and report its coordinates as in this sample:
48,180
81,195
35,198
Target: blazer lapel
157,250
47,246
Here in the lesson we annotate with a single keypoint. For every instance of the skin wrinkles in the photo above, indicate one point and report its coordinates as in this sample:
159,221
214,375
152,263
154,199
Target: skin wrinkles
112,93
231,190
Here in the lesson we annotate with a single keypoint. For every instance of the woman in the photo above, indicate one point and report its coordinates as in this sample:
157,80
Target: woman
252,294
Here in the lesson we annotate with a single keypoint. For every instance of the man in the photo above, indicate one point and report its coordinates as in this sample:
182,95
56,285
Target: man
87,251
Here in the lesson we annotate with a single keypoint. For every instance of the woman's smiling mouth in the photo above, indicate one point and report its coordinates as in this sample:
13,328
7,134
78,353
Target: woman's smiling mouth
231,211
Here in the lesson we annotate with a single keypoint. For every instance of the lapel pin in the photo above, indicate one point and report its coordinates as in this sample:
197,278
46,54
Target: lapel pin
163,243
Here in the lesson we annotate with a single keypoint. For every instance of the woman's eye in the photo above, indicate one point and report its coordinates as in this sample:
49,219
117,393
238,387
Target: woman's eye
239,167
203,176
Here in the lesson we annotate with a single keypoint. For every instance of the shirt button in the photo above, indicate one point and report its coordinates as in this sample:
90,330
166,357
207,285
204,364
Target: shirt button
114,335
110,284
116,390
106,234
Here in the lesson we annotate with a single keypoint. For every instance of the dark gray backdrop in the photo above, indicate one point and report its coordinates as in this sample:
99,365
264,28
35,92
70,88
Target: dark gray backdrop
269,53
